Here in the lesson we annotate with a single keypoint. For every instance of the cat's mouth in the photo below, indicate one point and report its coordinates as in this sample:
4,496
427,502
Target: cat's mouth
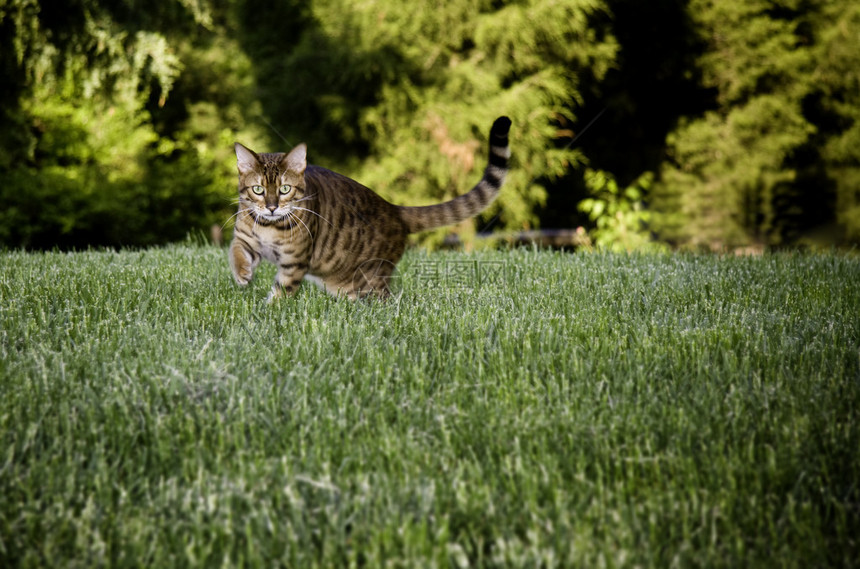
271,216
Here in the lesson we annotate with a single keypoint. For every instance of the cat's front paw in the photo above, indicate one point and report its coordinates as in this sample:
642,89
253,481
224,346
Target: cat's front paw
242,278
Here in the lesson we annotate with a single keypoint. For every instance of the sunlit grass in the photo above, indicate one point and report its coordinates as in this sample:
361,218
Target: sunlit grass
516,408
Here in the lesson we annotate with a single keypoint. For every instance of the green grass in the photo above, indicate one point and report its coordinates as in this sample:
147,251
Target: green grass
518,408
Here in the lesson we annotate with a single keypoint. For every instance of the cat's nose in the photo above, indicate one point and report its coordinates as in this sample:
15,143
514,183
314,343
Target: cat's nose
272,208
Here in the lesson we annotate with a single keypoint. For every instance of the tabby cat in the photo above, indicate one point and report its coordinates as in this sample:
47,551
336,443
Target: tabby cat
323,227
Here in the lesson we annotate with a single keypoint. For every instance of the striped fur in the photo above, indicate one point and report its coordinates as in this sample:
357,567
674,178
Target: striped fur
479,197
318,225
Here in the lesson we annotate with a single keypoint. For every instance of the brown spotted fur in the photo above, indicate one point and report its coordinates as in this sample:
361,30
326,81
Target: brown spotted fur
332,230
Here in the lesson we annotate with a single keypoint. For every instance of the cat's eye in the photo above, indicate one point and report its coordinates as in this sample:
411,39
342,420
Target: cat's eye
285,189
259,190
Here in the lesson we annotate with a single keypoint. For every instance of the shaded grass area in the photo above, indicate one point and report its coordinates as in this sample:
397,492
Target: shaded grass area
518,408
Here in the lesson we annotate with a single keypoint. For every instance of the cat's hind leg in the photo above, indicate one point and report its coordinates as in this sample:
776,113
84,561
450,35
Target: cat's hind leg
372,279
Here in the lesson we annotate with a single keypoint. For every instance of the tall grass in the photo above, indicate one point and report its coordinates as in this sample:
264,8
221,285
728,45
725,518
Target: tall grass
518,408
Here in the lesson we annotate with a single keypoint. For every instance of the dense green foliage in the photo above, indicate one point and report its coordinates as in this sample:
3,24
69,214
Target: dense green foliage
117,121
779,149
117,117
510,409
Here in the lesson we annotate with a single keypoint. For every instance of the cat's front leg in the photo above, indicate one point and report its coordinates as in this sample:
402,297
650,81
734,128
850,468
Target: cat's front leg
287,279
243,260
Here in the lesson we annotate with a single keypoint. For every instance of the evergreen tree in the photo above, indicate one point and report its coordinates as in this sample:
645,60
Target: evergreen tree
725,169
117,118
401,95
835,108
760,167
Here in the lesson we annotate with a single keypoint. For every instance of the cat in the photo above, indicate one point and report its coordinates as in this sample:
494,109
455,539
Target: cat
320,226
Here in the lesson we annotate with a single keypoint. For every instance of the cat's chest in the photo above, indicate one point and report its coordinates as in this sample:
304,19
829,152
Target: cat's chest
270,251
275,245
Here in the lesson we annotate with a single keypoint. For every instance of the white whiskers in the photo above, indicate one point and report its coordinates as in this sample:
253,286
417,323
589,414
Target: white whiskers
297,218
235,215
305,198
313,212
291,214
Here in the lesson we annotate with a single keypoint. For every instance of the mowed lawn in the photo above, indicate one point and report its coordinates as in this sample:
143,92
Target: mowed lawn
514,408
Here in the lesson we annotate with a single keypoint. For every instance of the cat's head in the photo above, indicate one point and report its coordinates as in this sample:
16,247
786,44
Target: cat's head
271,184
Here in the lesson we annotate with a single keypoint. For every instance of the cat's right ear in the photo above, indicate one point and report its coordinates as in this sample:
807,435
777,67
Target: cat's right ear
246,160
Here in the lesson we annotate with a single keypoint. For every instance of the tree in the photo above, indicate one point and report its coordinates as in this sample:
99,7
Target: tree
402,98
835,108
117,118
761,165
93,152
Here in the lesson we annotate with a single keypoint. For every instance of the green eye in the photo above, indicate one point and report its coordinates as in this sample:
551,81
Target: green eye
259,190
285,189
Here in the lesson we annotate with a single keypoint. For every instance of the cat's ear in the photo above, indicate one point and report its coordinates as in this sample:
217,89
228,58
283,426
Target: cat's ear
246,160
297,159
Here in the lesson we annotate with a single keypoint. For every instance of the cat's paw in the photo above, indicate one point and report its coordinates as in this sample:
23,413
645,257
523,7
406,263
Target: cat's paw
242,278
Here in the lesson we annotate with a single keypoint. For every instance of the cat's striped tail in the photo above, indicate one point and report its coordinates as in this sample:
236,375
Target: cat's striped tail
477,199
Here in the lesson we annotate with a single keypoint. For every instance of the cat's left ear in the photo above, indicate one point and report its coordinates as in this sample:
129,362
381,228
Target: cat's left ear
246,160
297,159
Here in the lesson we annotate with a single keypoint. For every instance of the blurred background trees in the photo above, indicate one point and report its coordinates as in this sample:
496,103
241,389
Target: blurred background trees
761,164
692,123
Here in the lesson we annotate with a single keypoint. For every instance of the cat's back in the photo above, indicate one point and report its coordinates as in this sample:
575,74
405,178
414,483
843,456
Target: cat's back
331,184
338,192
347,205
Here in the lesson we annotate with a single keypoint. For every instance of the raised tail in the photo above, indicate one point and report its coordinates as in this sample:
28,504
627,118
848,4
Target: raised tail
477,199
